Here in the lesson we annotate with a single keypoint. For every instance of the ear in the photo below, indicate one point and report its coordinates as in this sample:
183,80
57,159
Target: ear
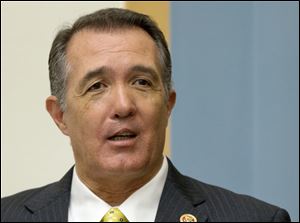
54,109
171,101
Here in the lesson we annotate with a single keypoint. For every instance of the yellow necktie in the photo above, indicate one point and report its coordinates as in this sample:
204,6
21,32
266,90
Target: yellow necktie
114,215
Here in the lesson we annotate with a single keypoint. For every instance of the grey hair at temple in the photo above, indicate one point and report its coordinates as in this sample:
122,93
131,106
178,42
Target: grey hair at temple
104,20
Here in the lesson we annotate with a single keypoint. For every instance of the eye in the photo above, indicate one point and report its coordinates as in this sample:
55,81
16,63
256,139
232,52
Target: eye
142,82
96,86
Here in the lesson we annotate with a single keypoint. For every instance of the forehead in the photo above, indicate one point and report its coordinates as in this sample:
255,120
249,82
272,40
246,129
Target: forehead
89,46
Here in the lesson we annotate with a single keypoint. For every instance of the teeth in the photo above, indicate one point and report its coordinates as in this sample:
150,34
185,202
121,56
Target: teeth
125,134
121,137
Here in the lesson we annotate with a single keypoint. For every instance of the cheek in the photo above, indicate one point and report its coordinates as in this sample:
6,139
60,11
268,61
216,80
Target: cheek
84,134
157,118
83,122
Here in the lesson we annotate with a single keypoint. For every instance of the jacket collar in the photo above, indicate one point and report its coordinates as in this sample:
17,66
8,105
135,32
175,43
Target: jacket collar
180,197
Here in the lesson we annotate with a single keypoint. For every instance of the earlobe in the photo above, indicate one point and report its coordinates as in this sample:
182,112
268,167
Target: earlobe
54,109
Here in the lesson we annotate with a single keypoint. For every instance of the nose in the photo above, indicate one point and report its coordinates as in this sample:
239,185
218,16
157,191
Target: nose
123,105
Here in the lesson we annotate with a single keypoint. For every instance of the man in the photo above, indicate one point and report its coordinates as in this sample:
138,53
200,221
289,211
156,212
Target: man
111,88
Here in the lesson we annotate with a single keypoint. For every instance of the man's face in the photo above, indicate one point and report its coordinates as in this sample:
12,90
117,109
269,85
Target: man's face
116,114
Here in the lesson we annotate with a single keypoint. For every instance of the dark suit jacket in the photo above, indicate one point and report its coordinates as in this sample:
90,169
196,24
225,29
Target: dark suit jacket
181,195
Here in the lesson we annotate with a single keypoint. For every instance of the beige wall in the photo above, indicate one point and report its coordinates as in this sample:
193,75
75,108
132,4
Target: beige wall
33,151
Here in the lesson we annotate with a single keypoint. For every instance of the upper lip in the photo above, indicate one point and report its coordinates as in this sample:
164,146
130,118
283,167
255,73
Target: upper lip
121,132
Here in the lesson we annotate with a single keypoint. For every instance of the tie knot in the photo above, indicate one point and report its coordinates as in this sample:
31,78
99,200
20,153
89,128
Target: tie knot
114,215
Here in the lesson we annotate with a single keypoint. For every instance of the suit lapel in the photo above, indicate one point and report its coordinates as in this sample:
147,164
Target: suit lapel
179,198
52,203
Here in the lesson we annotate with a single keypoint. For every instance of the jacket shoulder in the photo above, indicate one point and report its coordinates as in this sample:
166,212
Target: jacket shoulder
14,205
47,203
227,205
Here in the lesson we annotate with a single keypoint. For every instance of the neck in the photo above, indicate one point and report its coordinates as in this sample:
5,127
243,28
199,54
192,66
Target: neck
115,190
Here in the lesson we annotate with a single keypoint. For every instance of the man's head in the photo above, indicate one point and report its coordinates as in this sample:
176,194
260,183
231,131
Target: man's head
105,20
111,89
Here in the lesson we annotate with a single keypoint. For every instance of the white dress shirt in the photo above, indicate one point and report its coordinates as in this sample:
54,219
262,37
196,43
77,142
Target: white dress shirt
141,206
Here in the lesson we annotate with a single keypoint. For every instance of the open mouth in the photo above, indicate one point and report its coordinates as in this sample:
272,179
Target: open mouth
122,135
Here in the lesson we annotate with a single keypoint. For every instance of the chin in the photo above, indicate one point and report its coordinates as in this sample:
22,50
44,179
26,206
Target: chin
124,165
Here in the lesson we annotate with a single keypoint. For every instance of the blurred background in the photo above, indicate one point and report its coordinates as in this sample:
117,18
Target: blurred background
236,73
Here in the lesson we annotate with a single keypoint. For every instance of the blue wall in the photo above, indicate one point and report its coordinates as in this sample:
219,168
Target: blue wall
236,73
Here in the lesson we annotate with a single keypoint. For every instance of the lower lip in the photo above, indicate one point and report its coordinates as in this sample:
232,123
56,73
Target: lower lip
129,142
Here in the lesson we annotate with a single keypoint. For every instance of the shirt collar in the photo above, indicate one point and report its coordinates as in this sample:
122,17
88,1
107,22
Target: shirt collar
141,206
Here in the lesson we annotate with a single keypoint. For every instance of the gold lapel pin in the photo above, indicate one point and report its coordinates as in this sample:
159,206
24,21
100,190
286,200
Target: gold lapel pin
188,218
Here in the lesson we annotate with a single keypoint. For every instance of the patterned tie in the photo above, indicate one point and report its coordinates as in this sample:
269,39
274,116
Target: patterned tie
114,215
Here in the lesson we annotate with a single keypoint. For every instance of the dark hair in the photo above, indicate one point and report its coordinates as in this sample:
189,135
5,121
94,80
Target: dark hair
104,20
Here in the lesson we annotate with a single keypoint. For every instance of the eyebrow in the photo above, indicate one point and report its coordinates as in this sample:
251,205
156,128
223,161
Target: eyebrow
101,71
94,74
146,70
